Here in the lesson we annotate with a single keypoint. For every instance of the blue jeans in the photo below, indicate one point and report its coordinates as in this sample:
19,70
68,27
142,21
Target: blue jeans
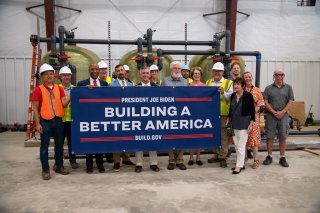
53,127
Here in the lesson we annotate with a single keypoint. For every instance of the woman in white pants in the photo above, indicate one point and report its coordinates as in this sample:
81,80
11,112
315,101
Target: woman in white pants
242,117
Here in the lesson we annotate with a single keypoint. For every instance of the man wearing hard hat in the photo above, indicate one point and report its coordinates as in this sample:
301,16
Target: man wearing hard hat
103,72
49,100
225,89
154,75
185,72
127,74
65,77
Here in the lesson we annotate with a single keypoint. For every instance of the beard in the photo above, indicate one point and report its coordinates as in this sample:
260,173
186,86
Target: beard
176,75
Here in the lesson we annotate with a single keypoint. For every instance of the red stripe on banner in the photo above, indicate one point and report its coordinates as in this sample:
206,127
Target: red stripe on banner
104,139
193,99
170,137
99,100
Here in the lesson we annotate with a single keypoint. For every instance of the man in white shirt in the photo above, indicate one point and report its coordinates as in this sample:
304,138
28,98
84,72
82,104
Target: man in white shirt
145,82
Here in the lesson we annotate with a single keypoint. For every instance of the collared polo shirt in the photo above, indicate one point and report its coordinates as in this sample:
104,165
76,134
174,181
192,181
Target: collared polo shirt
277,97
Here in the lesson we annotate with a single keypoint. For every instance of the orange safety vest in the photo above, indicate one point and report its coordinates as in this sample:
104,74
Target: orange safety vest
51,103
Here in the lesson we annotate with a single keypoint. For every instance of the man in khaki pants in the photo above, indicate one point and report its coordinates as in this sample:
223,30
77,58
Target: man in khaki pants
225,89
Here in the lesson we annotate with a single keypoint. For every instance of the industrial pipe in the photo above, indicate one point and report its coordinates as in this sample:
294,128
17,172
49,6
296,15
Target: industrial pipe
53,46
160,56
139,59
129,42
149,48
61,31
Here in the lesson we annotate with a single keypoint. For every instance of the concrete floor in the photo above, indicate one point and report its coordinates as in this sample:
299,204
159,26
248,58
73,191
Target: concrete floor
199,189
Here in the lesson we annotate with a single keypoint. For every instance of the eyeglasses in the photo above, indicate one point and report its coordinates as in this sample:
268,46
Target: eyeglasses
278,74
197,73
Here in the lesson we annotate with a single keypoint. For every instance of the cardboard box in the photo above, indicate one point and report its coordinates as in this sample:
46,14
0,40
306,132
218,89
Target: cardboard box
297,111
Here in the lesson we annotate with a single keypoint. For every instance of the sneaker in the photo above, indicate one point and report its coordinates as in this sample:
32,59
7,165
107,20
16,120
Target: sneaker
223,163
181,166
249,153
46,175
213,160
190,162
155,168
283,162
116,167
268,160
74,165
128,162
138,169
171,166
199,162
61,170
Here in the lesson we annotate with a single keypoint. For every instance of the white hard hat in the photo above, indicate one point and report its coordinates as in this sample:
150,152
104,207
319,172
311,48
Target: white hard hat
45,67
126,67
154,67
218,66
65,70
102,64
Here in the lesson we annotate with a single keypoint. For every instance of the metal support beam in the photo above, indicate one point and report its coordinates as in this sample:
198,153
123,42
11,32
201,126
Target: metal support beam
49,15
231,20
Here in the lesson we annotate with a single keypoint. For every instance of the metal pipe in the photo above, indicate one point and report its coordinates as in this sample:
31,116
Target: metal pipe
186,39
227,53
305,132
149,48
131,42
139,59
61,31
53,46
160,56
188,52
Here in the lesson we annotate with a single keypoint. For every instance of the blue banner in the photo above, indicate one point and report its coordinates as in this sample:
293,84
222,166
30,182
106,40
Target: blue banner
116,119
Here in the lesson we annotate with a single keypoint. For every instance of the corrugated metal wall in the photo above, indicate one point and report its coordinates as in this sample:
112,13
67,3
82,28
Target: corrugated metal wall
14,89
304,76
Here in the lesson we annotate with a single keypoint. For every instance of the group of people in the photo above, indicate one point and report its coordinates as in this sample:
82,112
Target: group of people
240,106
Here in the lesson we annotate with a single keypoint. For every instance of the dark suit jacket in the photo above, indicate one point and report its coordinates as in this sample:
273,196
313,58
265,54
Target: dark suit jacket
87,82
151,83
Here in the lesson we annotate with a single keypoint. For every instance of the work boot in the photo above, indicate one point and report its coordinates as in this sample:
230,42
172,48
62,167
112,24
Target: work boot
181,166
62,170
268,160
74,165
171,166
223,163
46,175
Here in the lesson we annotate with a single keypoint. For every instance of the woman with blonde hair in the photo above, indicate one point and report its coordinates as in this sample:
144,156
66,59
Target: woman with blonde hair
196,74
254,138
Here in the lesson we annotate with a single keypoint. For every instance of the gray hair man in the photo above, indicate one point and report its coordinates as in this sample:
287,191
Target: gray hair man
175,79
